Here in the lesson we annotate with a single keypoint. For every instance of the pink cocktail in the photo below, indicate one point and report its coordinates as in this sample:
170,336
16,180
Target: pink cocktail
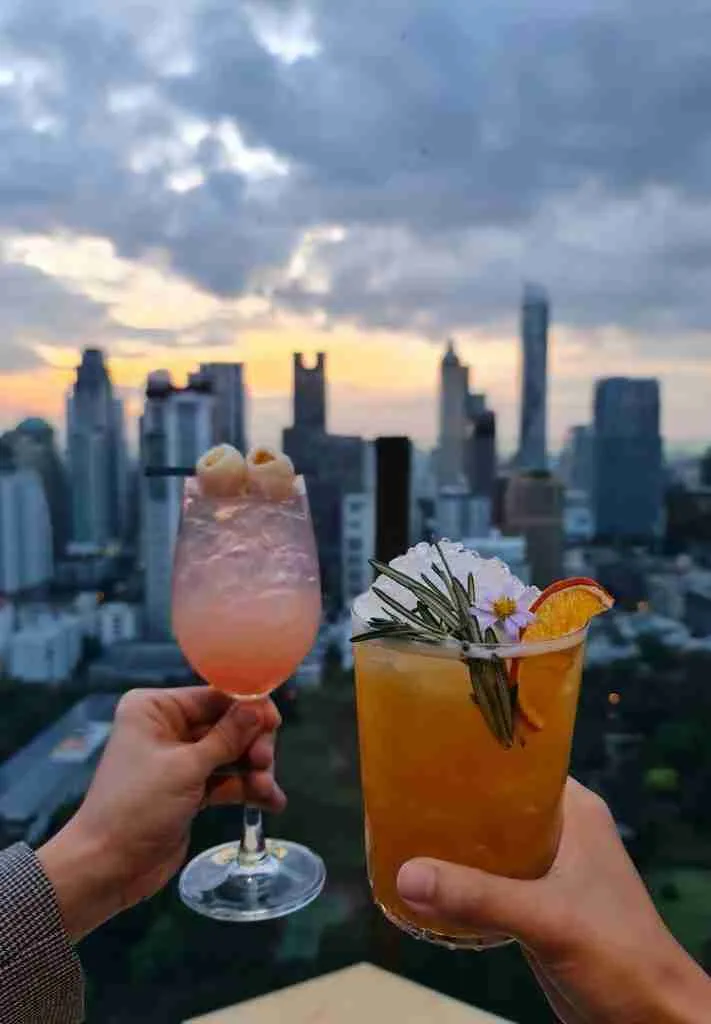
247,596
246,611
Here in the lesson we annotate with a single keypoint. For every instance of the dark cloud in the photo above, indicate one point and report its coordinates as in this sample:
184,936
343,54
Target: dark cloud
36,310
461,147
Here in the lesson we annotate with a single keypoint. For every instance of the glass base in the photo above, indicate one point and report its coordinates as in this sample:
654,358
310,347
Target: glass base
217,885
475,942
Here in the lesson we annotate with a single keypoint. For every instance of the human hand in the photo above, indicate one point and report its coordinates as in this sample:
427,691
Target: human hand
131,834
588,928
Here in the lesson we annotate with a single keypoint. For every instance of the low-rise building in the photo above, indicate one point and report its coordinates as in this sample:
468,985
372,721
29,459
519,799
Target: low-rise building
511,550
117,622
46,650
139,663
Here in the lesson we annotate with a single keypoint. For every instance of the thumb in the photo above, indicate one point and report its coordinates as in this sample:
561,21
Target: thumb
230,737
469,898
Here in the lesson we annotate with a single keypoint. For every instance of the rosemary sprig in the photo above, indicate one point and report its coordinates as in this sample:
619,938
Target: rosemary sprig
440,615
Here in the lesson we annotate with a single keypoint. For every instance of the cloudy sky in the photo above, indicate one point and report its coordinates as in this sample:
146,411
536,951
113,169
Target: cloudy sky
236,180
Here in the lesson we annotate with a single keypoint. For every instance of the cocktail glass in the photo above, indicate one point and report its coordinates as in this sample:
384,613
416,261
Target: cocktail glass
246,611
436,782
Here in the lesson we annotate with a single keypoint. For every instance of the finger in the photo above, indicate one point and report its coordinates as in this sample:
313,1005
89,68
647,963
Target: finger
259,756
258,788
230,737
200,706
262,789
270,715
474,899
561,1006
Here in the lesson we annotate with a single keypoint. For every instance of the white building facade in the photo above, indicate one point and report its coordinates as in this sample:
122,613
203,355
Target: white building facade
117,622
511,550
176,428
26,552
46,651
358,544
460,514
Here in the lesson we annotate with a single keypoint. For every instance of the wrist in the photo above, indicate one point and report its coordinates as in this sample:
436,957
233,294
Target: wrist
681,989
85,881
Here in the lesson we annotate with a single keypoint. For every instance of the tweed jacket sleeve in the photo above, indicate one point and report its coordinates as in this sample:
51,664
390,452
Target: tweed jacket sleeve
41,979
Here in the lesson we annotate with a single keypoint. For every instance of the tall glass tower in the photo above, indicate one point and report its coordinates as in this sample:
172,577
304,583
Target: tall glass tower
97,454
628,456
532,450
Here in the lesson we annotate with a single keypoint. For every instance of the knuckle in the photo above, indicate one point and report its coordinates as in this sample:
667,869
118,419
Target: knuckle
130,703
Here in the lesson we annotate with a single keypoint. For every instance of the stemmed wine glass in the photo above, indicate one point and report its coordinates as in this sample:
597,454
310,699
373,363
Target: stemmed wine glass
246,611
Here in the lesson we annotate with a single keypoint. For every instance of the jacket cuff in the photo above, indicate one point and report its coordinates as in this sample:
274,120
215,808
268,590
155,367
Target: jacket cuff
41,978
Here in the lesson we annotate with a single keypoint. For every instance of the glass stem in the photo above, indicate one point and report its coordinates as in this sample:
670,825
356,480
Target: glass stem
252,846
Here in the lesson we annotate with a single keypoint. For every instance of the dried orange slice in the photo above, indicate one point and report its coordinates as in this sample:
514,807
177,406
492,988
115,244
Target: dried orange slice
562,608
565,607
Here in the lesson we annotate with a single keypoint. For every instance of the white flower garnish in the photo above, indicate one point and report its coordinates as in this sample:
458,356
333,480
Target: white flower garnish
501,600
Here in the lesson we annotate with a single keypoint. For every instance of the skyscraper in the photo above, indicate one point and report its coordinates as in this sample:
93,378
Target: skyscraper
393,458
532,451
25,530
629,469
453,419
97,454
228,388
333,466
533,508
577,459
33,446
176,428
310,393
480,453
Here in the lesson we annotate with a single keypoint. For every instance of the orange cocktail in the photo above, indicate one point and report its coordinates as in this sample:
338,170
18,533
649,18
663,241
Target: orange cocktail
467,683
437,783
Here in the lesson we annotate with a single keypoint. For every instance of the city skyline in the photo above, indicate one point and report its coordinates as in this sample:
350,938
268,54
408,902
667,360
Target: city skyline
237,184
267,413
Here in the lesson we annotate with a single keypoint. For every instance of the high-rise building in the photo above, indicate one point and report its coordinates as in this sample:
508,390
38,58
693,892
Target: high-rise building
310,393
26,561
532,451
628,463
533,508
393,502
459,513
228,387
97,454
176,428
33,447
705,469
454,403
576,465
480,452
358,544
333,466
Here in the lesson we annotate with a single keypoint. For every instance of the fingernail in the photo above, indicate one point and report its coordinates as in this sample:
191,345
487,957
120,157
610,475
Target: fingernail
247,717
416,882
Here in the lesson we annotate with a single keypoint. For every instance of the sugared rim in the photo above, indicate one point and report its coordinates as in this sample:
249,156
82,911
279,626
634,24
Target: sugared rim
452,649
191,489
